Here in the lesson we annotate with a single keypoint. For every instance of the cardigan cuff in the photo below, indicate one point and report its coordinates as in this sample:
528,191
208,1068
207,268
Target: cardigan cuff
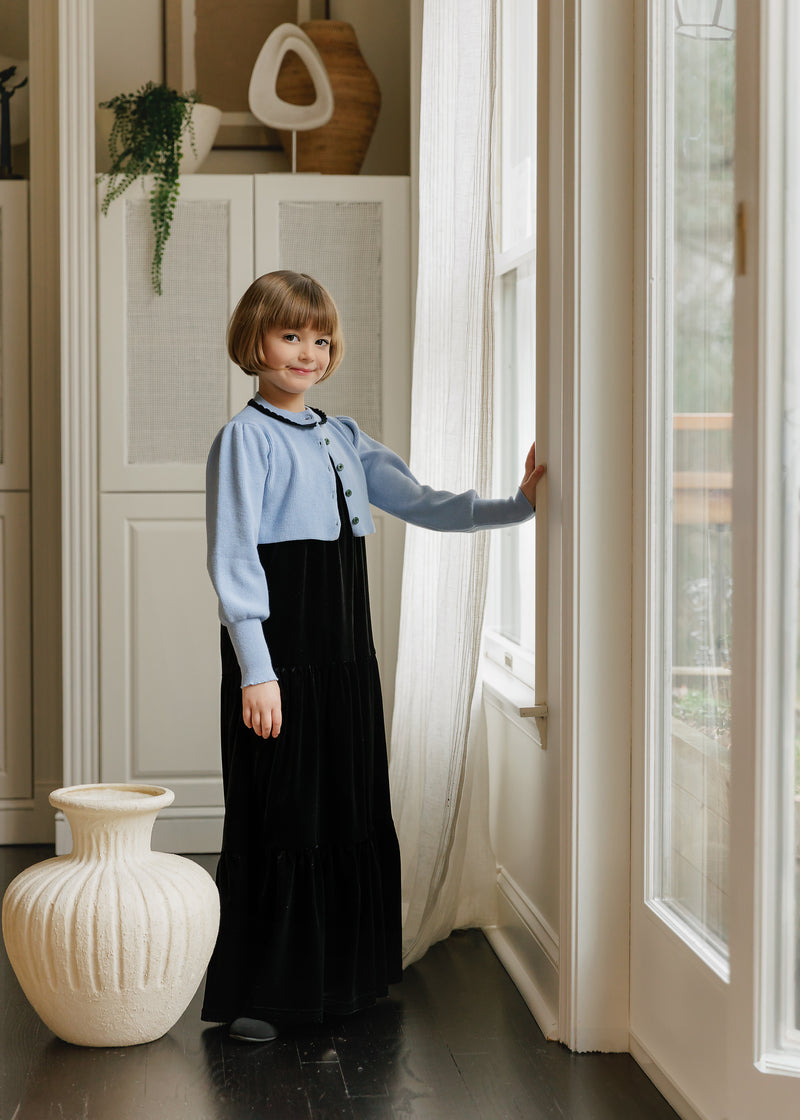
251,651
524,506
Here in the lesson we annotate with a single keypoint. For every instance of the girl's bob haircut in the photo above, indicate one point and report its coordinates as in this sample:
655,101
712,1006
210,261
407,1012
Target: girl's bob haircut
286,300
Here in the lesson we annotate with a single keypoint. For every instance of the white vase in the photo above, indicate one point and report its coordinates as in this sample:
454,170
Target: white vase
206,120
110,942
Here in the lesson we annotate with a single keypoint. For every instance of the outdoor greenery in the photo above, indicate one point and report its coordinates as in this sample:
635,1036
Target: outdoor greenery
692,706
702,375
704,224
147,139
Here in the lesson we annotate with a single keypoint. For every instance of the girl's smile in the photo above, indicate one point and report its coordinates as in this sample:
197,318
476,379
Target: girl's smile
295,360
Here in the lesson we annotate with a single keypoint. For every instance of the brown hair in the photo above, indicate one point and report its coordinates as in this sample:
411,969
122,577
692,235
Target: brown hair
282,299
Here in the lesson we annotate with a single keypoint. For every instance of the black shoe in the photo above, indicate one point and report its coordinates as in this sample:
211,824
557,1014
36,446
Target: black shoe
252,1030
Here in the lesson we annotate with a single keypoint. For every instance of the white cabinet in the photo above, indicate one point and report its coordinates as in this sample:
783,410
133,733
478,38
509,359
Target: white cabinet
165,387
166,384
16,761
159,642
14,377
16,769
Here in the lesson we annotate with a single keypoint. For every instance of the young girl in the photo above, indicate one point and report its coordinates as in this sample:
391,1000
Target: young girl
309,874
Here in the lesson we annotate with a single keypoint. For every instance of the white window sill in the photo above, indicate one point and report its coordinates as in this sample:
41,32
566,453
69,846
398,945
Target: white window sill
508,695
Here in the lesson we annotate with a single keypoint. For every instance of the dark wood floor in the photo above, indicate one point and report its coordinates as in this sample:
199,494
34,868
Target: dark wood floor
453,1042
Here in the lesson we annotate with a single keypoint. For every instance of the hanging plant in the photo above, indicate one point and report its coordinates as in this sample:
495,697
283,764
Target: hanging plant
147,139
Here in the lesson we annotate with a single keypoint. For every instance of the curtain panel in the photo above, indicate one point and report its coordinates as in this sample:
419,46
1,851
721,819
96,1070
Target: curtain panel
439,769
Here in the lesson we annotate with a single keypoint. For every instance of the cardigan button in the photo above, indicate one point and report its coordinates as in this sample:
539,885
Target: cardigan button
348,493
327,440
355,521
340,466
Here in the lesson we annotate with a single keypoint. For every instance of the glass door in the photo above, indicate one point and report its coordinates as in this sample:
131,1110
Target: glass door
683,744
692,480
715,942
765,839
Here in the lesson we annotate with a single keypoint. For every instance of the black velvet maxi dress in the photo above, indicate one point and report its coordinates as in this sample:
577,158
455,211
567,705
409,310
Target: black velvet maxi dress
309,874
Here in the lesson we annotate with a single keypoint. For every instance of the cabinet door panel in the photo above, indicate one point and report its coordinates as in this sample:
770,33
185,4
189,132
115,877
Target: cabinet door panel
160,647
165,382
13,335
16,774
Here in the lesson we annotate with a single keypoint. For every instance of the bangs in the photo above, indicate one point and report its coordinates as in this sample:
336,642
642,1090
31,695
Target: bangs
311,308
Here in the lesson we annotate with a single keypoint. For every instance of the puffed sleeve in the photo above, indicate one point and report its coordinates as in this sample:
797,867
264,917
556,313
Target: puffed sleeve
392,487
236,476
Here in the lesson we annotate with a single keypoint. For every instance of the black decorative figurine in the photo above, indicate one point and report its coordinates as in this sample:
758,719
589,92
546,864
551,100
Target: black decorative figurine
5,120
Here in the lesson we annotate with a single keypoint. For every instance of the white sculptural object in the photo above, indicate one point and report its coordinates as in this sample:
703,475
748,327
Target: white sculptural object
263,96
110,942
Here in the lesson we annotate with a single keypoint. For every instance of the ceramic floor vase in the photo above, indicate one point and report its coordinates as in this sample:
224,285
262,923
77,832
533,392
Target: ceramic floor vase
110,942
338,147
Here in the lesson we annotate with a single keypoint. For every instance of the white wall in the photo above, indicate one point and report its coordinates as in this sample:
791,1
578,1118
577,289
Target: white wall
14,28
129,52
524,792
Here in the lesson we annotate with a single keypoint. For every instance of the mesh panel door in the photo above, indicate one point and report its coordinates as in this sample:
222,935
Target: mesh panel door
339,244
165,383
177,384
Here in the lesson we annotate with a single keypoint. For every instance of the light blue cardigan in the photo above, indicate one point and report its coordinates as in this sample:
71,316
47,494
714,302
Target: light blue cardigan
268,481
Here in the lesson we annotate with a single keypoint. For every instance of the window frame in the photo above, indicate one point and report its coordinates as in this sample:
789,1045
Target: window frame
777,1038
515,660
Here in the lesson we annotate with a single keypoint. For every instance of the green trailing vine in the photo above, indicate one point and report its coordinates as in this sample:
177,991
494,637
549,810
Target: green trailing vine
147,139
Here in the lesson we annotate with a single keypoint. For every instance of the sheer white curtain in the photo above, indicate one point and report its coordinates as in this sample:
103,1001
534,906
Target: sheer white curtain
438,765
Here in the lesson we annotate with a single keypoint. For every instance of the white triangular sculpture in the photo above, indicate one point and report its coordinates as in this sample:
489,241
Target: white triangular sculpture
263,95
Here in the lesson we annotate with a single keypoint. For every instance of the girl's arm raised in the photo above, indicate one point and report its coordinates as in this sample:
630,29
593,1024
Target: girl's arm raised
392,487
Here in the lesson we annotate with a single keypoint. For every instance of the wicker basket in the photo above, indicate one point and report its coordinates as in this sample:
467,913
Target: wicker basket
339,147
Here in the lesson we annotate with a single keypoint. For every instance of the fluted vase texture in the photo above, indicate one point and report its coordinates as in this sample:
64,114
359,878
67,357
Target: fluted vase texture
110,942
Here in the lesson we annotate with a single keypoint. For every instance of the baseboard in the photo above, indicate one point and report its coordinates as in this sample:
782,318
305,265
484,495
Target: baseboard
545,1016
195,830
28,820
663,1082
533,919
599,1040
527,947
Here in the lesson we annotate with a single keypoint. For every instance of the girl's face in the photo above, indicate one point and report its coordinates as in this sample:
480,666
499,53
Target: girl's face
296,360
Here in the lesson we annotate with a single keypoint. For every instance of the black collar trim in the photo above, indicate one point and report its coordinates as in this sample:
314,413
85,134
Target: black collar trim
323,419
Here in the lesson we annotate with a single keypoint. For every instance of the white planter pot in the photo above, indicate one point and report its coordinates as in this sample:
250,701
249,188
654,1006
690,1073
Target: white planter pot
206,124
110,942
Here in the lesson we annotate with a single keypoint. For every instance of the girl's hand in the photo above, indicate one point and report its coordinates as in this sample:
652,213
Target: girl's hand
532,476
261,708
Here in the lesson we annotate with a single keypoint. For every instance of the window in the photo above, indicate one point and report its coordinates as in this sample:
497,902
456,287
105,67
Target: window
510,605
692,371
